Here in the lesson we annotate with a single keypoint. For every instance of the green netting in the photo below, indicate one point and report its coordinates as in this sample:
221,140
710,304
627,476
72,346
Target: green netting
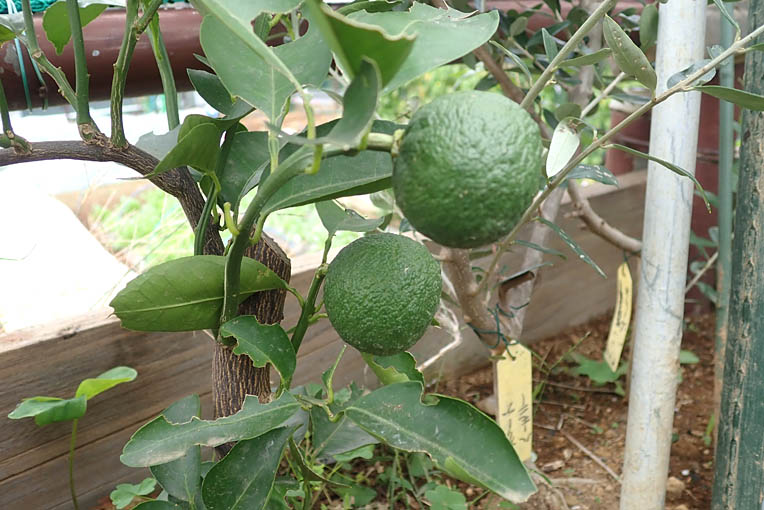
41,5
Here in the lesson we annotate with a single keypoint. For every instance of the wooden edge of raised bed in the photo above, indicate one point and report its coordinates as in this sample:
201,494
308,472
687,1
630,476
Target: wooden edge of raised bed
51,360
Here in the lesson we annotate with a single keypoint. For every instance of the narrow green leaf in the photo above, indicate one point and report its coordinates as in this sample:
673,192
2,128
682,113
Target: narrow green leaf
182,478
550,46
739,97
573,246
186,294
518,26
677,170
628,56
47,410
397,368
685,73
336,219
542,249
756,47
89,388
263,344
727,14
588,59
124,493
563,146
159,441
594,172
199,149
648,26
55,20
212,90
244,478
396,414
515,59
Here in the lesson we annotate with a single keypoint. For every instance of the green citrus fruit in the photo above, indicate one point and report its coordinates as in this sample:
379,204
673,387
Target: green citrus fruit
468,167
381,293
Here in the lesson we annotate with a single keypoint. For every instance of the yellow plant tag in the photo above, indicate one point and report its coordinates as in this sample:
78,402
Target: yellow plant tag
621,318
514,398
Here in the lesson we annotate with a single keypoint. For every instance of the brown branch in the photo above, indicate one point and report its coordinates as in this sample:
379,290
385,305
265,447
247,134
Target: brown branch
177,182
598,225
509,89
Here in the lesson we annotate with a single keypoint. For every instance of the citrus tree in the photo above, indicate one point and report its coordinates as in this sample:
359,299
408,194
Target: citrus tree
469,170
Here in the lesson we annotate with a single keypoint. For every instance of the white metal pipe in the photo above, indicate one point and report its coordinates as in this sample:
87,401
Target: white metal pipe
665,244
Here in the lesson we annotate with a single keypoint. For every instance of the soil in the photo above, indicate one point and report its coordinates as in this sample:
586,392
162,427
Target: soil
577,422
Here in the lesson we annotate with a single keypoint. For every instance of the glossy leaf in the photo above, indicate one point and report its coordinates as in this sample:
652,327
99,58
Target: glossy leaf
334,438
550,46
336,219
648,26
55,20
47,410
91,387
262,76
199,148
442,36
677,170
159,441
358,107
739,97
393,369
245,157
186,294
158,145
212,90
515,59
681,75
563,146
573,246
369,6
339,176
352,42
628,56
243,479
397,415
158,505
263,344
588,59
124,493
182,478
594,172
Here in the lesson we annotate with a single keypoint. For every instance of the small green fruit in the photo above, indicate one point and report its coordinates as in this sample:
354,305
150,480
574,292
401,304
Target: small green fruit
382,292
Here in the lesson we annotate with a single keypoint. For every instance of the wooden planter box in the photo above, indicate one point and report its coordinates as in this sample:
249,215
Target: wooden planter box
52,360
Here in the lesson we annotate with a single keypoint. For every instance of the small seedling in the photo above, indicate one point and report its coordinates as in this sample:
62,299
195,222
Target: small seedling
125,493
599,372
47,410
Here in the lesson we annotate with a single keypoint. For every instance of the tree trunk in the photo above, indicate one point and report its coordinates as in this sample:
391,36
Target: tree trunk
738,477
234,377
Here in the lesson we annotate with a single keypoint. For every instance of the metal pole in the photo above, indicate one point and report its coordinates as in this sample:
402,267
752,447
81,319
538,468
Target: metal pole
665,244
738,476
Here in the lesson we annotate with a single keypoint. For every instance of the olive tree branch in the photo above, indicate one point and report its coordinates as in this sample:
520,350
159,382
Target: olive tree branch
683,86
85,124
602,95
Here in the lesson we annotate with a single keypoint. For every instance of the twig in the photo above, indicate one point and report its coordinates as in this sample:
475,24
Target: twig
591,455
605,92
597,224
710,262
87,128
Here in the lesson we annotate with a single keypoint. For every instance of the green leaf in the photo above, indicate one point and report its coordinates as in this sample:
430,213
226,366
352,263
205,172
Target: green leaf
681,75
397,415
182,478
47,410
336,219
515,59
262,76
244,478
362,452
212,90
688,357
55,20
542,249
158,145
353,42
728,15
550,46
594,172
563,146
566,110
334,438
648,26
263,344
369,6
339,176
186,294
89,388
588,59
518,26
443,498
598,371
158,505
677,170
442,36
739,97
246,157
124,493
755,47
199,148
393,369
628,56
159,441
573,246
360,495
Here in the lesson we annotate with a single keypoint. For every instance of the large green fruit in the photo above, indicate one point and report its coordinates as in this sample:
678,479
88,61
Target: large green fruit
381,293
468,167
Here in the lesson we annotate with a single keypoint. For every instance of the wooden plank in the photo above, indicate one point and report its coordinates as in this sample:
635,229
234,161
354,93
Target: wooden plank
52,361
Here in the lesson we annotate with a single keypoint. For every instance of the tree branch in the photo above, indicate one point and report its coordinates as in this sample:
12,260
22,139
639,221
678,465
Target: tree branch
509,89
177,182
